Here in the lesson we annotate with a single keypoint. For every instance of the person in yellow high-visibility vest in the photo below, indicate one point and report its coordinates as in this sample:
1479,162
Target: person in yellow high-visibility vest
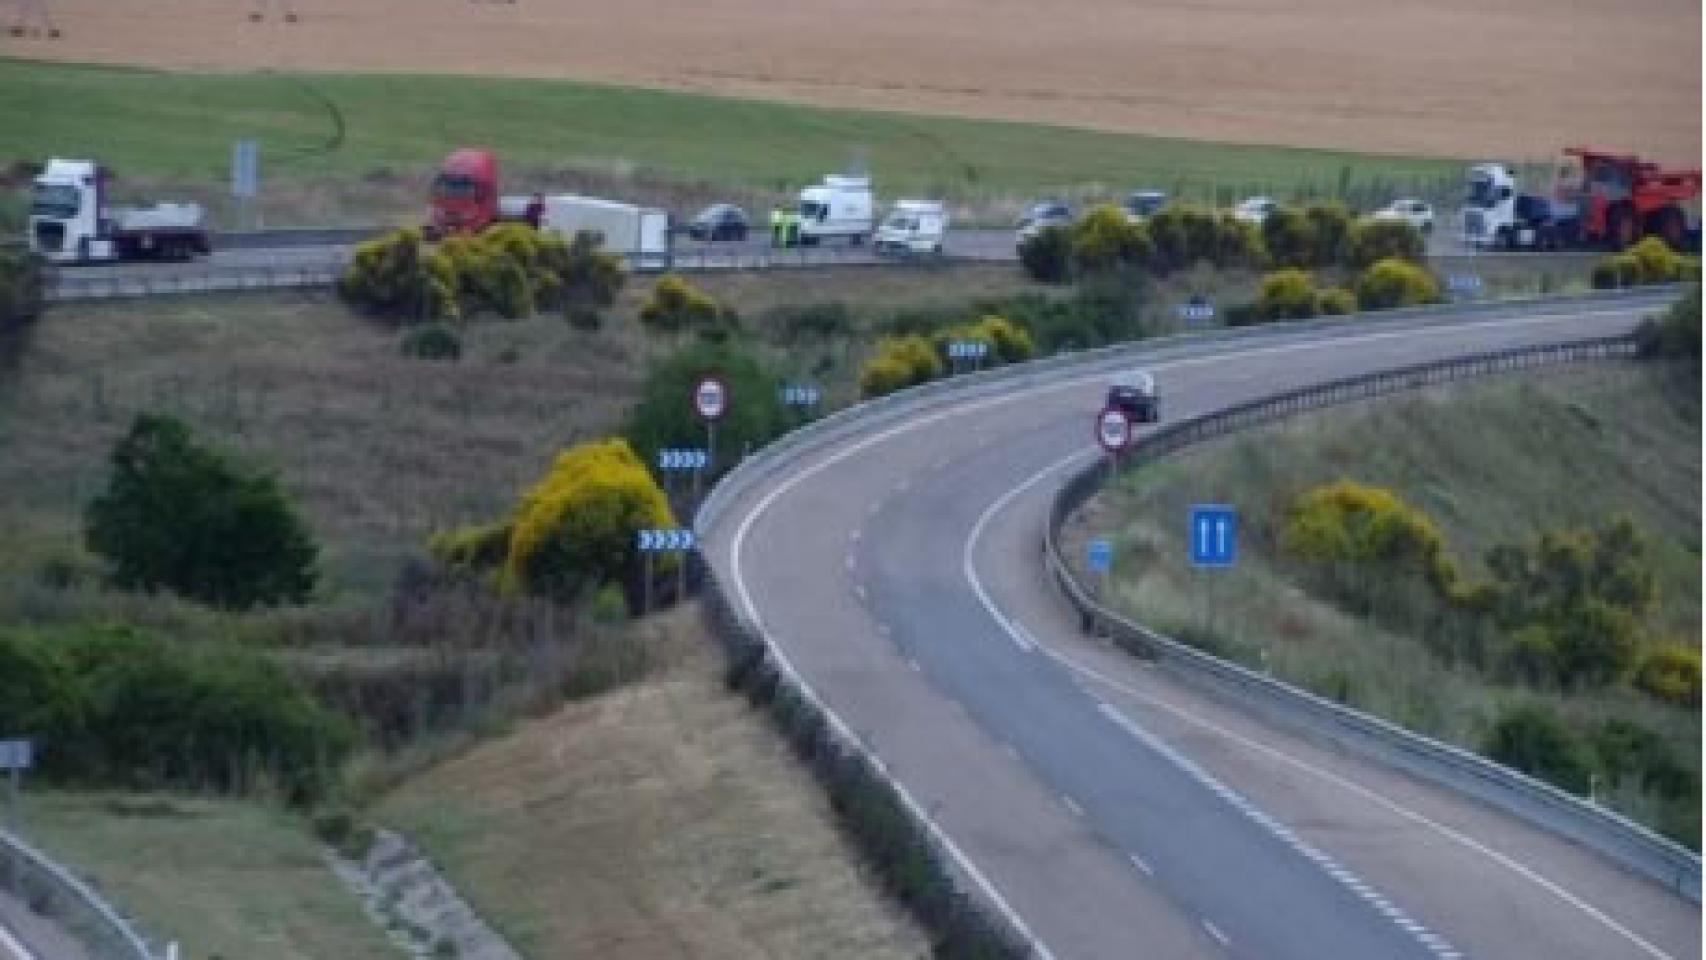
776,221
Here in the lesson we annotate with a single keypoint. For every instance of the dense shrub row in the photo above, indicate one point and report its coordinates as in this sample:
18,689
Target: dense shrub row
909,360
510,270
114,707
1180,236
870,811
1649,261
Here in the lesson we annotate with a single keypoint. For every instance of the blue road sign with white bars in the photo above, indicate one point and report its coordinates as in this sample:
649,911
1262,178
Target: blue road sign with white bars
1214,535
801,396
652,541
1196,311
683,459
1463,283
967,349
1100,555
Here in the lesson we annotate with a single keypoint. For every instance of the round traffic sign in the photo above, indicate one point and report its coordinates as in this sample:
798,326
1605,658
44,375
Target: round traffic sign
1113,429
711,397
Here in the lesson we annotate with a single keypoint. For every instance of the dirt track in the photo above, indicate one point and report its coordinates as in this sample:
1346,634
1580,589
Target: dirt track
1514,78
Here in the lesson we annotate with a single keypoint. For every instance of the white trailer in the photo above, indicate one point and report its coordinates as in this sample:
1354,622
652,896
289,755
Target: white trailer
71,223
641,234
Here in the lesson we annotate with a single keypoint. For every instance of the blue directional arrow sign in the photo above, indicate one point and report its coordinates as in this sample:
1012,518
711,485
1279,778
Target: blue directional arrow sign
643,539
1214,535
1197,311
1100,555
1464,283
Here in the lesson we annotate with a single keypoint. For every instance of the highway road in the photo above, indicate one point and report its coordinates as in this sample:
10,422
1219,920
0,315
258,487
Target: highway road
1109,809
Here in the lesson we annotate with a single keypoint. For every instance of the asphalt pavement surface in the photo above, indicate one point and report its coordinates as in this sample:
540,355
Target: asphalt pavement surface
1108,807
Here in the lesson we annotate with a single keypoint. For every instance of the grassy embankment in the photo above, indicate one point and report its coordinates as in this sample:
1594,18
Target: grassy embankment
379,451
1492,463
342,148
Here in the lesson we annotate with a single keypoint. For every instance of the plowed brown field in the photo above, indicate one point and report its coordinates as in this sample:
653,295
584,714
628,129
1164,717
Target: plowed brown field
1448,77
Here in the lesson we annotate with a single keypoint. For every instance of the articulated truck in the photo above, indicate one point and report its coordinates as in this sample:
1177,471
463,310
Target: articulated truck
70,221
1601,199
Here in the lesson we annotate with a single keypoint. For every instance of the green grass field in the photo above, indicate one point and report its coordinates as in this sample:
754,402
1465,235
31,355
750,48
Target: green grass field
1493,462
178,127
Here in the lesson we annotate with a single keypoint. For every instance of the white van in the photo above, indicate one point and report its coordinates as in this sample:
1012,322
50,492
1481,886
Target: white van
838,207
913,226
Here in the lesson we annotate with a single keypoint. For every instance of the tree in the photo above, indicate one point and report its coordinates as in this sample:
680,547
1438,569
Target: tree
1533,739
1047,255
1286,295
664,417
1289,236
1372,241
177,516
1395,282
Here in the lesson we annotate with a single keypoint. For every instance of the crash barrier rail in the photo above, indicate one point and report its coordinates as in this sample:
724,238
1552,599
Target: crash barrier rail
830,431
51,892
1542,804
67,283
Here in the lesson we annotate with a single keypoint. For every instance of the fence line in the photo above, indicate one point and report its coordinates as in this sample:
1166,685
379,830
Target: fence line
1542,804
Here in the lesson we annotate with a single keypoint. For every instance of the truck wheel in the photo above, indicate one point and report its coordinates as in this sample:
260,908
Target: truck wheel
1620,229
1506,239
857,239
83,250
1670,225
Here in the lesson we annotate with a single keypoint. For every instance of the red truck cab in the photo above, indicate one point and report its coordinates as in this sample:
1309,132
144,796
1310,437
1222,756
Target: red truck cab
465,192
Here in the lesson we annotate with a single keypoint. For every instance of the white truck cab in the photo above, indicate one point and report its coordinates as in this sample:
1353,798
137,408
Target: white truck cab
838,207
913,226
1489,204
71,223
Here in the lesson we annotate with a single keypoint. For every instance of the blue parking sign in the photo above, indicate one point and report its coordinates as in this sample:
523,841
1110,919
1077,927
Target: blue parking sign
1214,535
1101,555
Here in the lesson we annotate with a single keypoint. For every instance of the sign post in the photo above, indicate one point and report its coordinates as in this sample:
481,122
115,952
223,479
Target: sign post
710,402
1113,432
245,177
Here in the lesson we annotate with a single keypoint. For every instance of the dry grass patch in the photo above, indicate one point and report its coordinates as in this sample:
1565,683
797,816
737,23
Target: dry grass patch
662,820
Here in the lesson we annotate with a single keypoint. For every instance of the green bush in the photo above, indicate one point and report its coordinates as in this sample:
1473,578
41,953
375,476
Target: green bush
1671,673
1616,271
1330,228
492,273
1676,335
1047,255
664,416
1286,295
1008,342
578,278
1364,539
808,322
1657,262
21,279
899,362
435,341
397,277
1371,241
1289,237
1335,302
1534,739
112,707
176,515
676,305
1105,239
1396,283
1181,236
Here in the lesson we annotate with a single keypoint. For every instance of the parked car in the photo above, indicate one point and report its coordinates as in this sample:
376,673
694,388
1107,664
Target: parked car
1408,210
1049,213
1256,209
1134,393
722,221
1144,203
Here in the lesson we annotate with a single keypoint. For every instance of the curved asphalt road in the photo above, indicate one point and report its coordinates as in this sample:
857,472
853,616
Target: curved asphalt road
1112,810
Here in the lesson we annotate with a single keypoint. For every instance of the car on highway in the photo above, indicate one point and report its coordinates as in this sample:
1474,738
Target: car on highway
1134,393
1256,210
722,221
1144,203
1408,210
1041,216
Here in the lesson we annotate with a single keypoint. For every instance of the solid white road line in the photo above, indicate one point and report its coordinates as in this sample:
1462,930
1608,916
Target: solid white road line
14,946
845,451
1366,793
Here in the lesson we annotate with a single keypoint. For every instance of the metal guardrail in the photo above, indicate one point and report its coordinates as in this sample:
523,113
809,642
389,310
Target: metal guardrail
53,893
73,283
1589,824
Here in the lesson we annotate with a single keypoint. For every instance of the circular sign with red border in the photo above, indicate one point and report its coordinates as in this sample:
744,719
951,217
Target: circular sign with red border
1113,429
710,397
